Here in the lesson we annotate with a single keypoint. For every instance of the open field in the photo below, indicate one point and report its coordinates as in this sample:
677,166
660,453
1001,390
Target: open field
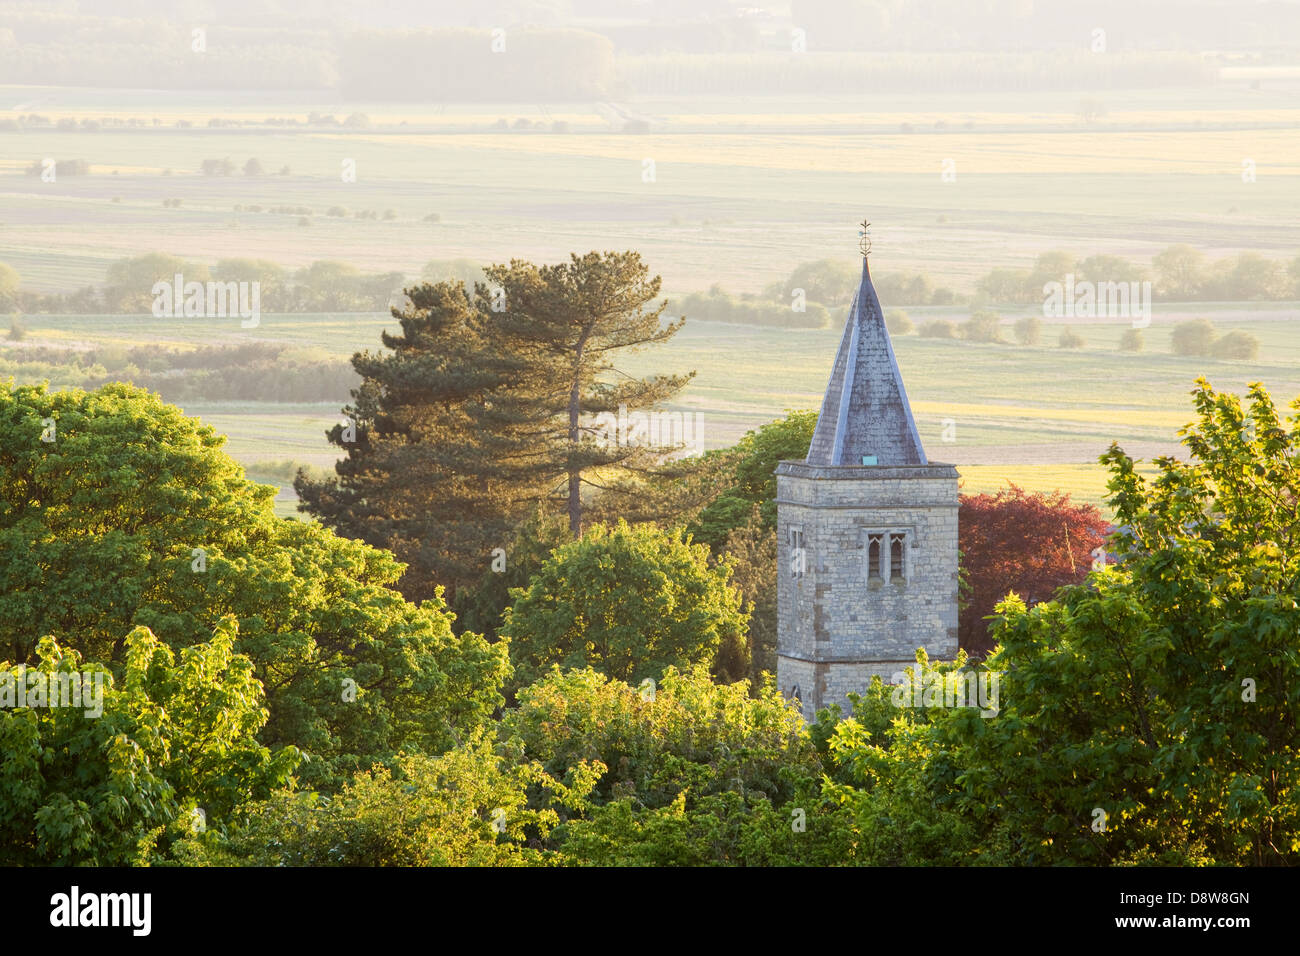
728,190
742,190
1037,416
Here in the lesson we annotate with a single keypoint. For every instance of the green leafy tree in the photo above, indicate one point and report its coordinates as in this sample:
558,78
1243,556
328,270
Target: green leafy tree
131,281
1053,266
892,769
273,290
467,807
9,282
828,281
1253,276
128,513
1008,285
115,788
898,322
938,329
1237,345
1102,268
628,601
482,606
328,286
756,456
751,551
693,773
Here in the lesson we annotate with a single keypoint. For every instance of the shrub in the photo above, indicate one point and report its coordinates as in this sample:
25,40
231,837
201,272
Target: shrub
1237,345
982,327
1131,341
1029,330
898,323
1194,337
939,329
217,167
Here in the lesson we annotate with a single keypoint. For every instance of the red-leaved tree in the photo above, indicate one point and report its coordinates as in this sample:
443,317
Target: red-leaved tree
1030,543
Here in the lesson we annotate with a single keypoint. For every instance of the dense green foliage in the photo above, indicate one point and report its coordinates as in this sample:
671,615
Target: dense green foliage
468,807
584,771
696,773
1142,715
753,479
117,511
116,783
628,601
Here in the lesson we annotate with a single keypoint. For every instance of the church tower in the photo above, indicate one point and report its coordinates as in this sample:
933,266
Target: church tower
866,530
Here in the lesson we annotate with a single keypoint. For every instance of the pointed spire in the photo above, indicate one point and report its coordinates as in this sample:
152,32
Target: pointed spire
865,417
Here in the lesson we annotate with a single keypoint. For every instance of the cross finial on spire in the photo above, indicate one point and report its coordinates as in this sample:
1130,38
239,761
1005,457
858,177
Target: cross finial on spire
864,238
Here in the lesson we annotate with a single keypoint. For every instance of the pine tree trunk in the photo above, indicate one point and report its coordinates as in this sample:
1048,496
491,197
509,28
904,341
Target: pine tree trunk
575,476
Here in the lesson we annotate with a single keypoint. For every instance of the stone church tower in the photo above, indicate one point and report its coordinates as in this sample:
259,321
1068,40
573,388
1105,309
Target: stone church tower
866,531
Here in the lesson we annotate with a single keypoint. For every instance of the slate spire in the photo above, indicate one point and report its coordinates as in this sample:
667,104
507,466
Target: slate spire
865,417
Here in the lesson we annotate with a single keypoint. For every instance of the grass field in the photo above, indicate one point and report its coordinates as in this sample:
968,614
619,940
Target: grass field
1037,416
742,190
737,191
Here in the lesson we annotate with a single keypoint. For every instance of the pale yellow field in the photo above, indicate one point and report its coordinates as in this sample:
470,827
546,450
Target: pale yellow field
1275,151
1083,415
1086,484
838,120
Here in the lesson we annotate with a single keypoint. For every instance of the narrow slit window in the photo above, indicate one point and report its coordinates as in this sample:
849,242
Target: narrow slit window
896,567
874,558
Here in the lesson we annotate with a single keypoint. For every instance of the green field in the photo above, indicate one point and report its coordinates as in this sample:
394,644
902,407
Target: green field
1036,416
743,190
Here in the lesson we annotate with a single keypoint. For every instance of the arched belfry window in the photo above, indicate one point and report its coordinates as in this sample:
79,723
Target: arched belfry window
886,557
875,545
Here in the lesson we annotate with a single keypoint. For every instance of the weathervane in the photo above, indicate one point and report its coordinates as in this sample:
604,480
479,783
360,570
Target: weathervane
864,238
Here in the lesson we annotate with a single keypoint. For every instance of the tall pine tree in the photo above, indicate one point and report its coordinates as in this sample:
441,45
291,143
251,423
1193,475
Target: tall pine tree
567,321
420,476
486,407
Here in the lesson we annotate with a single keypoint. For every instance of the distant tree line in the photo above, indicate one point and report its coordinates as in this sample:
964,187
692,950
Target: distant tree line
324,286
1180,273
825,73
843,48
805,299
475,65
717,306
259,372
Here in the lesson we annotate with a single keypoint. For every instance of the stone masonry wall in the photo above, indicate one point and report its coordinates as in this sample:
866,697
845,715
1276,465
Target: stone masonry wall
836,628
